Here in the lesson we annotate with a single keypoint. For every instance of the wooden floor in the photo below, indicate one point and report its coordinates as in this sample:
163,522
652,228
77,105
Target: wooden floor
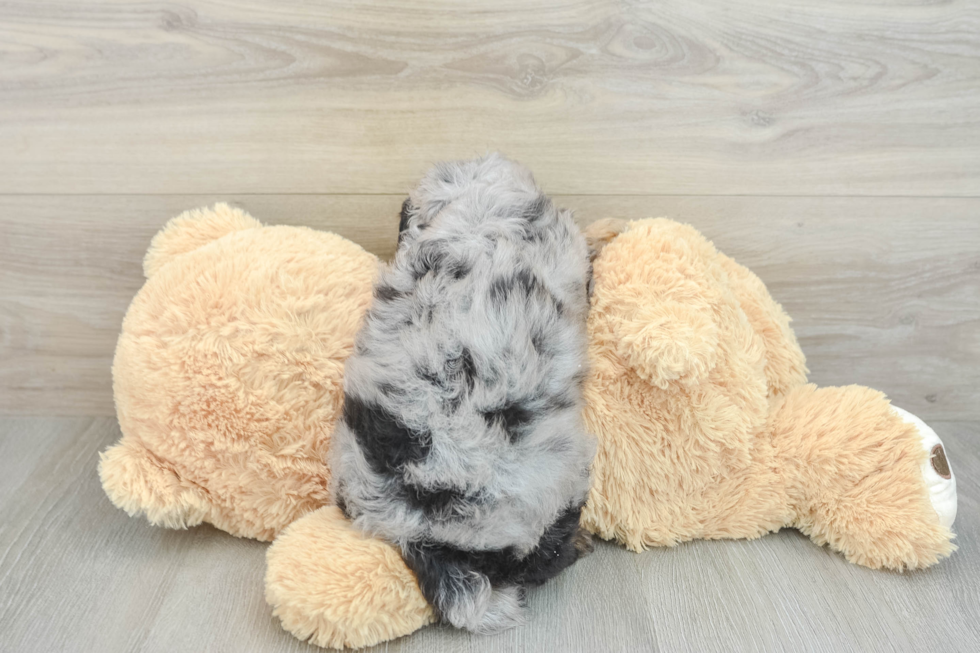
78,575
833,147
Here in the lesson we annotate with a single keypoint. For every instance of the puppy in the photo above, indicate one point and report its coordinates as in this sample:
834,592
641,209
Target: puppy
462,440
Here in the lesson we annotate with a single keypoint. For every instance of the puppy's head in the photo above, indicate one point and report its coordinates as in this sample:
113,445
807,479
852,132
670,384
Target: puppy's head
483,186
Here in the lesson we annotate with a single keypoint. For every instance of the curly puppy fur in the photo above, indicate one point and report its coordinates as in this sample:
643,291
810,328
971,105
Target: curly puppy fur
462,440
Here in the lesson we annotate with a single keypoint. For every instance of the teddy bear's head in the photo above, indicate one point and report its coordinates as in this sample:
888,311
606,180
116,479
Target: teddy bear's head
228,372
687,347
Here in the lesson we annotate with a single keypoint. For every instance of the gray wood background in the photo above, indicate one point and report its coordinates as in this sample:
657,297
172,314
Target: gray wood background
833,147
76,574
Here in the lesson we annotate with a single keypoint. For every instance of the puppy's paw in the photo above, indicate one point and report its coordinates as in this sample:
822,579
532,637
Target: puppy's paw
505,610
480,608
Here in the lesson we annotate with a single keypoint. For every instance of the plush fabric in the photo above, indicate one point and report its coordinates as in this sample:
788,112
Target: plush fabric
851,471
335,587
228,382
462,439
707,429
228,372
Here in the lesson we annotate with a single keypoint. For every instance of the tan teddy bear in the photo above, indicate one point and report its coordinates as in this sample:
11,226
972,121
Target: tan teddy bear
228,381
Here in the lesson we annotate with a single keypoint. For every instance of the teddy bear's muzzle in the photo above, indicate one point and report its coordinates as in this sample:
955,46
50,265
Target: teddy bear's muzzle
938,475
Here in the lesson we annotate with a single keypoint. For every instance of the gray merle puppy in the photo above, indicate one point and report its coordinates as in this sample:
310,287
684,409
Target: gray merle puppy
462,440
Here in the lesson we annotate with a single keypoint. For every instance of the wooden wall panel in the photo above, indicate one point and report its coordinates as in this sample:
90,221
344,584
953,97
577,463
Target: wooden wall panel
884,291
721,97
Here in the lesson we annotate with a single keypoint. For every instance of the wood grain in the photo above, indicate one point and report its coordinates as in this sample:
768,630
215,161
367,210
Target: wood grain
885,292
76,574
780,97
832,147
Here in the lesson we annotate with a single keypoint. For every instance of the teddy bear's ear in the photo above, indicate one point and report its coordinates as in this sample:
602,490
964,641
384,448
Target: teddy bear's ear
653,301
667,343
193,229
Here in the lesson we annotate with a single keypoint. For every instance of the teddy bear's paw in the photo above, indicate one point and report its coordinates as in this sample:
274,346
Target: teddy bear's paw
336,587
936,470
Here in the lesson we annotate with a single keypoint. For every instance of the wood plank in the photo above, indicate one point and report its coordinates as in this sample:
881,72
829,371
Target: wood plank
599,97
77,574
884,291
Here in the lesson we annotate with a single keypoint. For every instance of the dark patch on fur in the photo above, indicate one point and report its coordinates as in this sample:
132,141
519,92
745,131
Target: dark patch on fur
403,218
562,544
404,215
387,444
431,257
502,287
342,504
533,211
390,390
444,571
512,417
387,293
457,376
589,284
499,288
459,269
443,582
457,368
467,368
538,340
526,280
561,402
492,241
452,402
437,503
435,207
430,377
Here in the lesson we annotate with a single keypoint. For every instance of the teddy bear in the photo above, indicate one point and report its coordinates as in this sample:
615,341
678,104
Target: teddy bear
228,379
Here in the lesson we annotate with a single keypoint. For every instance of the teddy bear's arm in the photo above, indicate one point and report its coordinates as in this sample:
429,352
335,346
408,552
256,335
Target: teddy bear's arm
785,363
139,482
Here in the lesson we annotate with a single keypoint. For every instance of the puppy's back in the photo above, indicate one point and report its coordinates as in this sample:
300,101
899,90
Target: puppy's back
462,431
